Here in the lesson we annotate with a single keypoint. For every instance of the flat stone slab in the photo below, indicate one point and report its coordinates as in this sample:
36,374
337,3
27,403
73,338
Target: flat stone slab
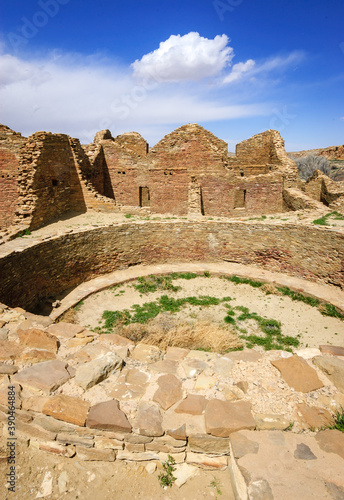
176,353
271,422
146,353
332,441
193,367
205,462
9,350
149,420
118,340
192,404
66,330
95,371
67,408
313,416
241,445
333,367
332,349
224,417
108,416
298,374
286,465
169,392
47,376
8,369
303,452
165,366
37,356
247,355
203,443
38,339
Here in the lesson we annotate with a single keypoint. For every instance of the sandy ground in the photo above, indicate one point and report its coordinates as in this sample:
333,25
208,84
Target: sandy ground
297,318
71,222
103,480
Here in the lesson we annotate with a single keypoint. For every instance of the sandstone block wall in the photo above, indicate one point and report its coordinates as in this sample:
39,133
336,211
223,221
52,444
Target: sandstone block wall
10,144
53,266
51,174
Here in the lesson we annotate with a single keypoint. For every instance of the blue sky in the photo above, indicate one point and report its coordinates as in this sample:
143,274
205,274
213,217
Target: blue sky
236,67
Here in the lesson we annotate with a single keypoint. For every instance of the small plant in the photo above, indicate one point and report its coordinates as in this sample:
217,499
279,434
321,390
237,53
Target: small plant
245,281
330,310
167,478
215,483
78,306
128,216
337,420
206,274
26,232
290,426
323,221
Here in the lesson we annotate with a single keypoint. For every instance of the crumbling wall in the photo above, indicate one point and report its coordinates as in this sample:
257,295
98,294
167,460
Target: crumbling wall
321,188
10,144
49,184
263,153
52,266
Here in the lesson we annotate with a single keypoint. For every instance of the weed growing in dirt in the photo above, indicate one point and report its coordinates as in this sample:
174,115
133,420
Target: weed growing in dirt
338,420
330,310
246,281
167,478
78,306
323,221
153,283
215,483
274,339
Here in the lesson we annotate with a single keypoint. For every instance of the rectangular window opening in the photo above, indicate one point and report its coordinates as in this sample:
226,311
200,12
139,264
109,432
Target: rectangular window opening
144,197
240,198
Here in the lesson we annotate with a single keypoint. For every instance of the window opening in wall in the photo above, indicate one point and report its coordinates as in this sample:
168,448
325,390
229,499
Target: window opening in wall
242,173
54,182
144,197
240,198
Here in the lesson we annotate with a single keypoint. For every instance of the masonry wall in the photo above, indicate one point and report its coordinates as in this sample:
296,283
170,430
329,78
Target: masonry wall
52,182
10,144
53,266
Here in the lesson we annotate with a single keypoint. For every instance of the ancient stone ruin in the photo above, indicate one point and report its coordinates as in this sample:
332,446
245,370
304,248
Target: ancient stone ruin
188,171
103,398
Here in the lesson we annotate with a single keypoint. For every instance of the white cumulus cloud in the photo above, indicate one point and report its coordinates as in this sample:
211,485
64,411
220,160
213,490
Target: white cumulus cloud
181,58
239,70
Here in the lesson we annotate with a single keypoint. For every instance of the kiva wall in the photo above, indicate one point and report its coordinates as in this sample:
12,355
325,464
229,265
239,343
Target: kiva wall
53,266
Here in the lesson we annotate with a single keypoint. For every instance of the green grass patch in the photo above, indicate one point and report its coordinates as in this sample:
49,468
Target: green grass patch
323,221
330,310
298,296
153,283
184,276
244,281
273,339
337,420
78,306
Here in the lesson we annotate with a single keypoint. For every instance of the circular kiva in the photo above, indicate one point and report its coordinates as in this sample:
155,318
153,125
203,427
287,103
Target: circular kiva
34,269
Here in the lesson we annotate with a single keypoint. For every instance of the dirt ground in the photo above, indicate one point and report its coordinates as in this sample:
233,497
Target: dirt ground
118,480
297,318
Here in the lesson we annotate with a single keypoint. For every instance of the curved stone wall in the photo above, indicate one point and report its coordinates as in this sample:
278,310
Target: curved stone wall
58,264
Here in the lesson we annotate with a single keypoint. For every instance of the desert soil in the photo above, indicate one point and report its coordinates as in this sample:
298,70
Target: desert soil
118,480
297,319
